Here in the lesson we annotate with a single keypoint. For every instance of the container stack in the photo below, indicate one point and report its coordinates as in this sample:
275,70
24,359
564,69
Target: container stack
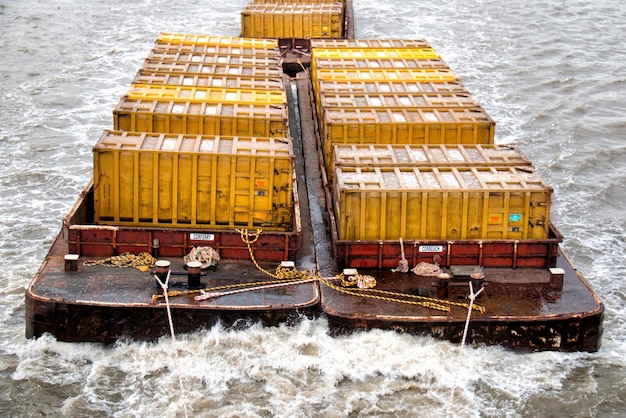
200,140
409,153
293,19
419,101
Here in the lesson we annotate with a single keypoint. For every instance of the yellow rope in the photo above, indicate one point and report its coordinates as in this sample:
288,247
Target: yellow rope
124,260
432,304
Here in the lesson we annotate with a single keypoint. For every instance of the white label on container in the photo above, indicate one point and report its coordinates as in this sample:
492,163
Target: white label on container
201,237
431,248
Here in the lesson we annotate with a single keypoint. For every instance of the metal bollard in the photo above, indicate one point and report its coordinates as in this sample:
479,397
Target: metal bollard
162,269
71,262
194,271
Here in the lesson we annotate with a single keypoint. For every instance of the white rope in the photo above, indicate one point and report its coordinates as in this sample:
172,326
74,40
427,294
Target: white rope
472,297
403,264
210,295
164,286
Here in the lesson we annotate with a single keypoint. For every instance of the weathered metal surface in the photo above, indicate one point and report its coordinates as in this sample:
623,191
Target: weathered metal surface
105,304
523,311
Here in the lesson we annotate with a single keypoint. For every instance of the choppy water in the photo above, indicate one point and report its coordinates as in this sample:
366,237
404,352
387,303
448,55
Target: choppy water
552,74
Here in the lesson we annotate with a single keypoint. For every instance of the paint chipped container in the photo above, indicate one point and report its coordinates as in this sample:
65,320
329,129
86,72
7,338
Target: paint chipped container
193,181
415,75
210,80
405,126
185,117
369,43
452,155
449,203
219,50
428,155
207,58
396,100
177,67
301,21
195,39
374,53
332,63
400,87
214,95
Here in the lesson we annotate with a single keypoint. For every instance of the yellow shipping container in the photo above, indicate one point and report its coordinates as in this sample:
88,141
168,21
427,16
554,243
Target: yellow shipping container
390,100
173,116
405,126
193,39
174,67
222,50
374,53
457,155
440,203
292,21
416,75
369,43
215,59
193,181
399,87
206,94
210,80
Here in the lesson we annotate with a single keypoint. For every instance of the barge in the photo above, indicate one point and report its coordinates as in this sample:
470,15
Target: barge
296,172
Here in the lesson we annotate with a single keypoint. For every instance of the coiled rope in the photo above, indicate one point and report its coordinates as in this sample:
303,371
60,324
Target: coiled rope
140,260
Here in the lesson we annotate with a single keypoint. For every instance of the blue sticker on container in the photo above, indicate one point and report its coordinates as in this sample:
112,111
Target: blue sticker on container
515,217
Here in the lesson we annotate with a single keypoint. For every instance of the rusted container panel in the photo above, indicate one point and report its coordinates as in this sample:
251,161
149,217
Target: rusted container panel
187,181
210,80
214,59
174,67
172,116
415,203
369,43
195,39
453,155
214,95
292,20
405,126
